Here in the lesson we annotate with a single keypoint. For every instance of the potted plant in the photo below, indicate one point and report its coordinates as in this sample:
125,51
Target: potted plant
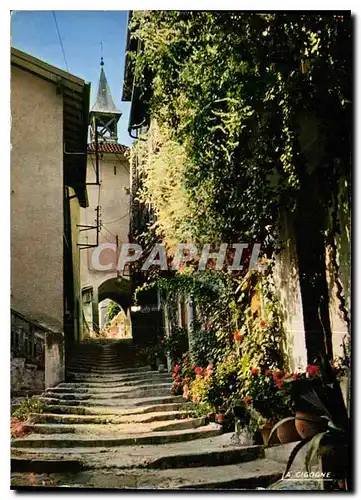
331,445
271,402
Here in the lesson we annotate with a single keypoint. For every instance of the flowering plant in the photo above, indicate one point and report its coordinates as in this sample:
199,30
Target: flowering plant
182,375
265,394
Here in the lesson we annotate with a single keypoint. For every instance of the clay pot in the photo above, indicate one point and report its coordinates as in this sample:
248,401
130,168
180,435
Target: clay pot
266,431
308,424
287,432
220,418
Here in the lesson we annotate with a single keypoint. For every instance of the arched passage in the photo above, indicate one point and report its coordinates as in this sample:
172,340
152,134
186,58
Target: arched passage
117,289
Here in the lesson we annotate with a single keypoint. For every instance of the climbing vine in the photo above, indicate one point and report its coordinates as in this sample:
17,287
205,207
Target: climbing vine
230,89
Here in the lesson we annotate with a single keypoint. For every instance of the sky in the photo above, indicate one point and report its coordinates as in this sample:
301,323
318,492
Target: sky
81,32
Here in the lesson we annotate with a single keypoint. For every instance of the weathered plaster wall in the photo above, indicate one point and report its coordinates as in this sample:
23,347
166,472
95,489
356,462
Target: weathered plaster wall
36,199
114,201
288,284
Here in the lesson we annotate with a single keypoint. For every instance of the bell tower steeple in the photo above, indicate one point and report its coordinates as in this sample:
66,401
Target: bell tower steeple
104,115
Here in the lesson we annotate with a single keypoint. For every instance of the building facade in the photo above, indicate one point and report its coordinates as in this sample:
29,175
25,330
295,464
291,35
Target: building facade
49,111
105,222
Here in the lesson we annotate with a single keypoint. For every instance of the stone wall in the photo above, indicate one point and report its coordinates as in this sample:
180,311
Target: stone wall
26,378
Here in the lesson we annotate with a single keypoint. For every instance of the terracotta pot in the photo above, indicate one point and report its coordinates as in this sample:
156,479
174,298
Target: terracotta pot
308,424
287,432
220,418
266,431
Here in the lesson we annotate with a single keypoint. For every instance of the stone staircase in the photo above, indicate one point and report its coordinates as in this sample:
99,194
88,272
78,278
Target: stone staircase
115,425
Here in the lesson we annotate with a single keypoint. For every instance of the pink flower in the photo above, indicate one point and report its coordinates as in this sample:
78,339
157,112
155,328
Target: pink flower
176,368
194,366
174,375
208,326
198,370
313,370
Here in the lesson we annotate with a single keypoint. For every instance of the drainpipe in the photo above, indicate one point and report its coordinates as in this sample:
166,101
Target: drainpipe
190,318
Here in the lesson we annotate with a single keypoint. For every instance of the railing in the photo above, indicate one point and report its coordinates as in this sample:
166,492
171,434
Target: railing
27,339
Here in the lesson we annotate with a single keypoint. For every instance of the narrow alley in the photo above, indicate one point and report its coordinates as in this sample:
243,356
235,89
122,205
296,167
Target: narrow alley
114,425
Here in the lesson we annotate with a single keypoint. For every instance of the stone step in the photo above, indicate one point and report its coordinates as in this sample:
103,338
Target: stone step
101,370
127,387
41,466
129,403
100,361
100,365
96,386
247,476
199,458
162,390
108,376
80,379
43,418
65,409
69,440
116,429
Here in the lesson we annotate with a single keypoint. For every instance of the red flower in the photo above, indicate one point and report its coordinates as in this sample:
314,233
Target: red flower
174,375
208,326
313,370
194,367
176,368
247,400
262,323
278,374
295,376
161,341
198,370
238,337
254,371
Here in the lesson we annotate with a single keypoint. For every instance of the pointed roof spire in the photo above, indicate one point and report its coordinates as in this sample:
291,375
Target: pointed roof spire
104,102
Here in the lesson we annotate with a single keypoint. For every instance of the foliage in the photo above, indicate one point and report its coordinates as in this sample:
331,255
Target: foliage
322,392
176,345
232,89
213,293
27,406
112,310
196,410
